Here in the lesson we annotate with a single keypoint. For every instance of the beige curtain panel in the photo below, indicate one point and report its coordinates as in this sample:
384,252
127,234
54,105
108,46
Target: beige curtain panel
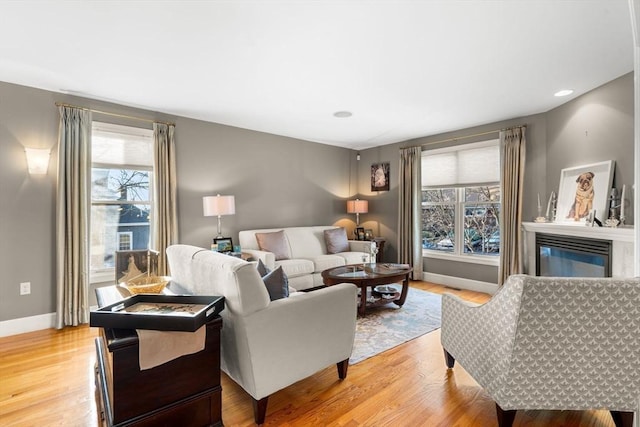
72,217
410,210
165,217
513,148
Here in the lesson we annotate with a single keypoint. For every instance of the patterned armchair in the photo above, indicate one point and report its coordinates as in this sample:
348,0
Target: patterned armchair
551,343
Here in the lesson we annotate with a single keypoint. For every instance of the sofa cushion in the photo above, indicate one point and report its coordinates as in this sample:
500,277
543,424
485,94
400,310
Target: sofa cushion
276,243
336,240
324,262
296,267
354,257
277,284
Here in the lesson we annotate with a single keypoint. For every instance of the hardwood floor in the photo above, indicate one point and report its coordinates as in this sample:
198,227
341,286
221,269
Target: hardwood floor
46,379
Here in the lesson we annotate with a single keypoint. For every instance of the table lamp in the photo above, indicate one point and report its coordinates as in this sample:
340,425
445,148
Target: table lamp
218,206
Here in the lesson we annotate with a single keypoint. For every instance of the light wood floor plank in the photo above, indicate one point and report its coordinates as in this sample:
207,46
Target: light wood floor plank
46,379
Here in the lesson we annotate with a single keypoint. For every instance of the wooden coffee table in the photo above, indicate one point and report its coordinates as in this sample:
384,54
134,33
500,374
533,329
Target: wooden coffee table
369,276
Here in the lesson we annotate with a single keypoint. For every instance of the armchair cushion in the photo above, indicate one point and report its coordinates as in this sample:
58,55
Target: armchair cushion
276,243
277,284
336,240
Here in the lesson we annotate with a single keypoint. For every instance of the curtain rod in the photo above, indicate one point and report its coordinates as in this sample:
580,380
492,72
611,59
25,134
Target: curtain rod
124,116
471,136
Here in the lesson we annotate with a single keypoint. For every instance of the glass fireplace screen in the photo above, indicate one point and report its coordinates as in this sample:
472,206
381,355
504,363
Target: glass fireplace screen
566,256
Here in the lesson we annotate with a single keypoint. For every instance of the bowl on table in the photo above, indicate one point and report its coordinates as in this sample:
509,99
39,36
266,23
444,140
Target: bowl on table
146,284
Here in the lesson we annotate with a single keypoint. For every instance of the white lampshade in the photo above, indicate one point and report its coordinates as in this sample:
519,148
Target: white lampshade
37,160
357,206
219,205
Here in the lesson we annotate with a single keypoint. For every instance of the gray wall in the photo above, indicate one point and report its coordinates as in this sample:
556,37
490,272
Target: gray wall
594,127
276,180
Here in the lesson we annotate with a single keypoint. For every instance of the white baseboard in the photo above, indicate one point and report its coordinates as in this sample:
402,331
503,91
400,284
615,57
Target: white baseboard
460,283
27,324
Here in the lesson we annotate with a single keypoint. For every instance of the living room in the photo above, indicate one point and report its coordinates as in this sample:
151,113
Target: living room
279,180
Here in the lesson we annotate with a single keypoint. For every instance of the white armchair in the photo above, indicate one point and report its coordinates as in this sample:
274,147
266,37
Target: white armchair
269,345
551,343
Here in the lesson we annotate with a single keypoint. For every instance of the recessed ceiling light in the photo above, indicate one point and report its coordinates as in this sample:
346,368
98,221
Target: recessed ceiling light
563,92
343,114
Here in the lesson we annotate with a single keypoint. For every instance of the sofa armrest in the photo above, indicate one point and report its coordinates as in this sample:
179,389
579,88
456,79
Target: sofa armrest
361,245
268,258
295,337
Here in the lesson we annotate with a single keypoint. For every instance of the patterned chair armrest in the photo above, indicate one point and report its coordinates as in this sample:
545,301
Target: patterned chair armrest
481,337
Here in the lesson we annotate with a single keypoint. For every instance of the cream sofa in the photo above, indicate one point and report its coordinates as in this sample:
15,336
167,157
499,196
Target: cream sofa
551,343
268,345
308,253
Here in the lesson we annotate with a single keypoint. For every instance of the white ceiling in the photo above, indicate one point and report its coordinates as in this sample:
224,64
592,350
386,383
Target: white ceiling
405,69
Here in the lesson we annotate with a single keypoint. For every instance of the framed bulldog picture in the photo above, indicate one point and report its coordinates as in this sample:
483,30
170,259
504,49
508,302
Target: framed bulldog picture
584,189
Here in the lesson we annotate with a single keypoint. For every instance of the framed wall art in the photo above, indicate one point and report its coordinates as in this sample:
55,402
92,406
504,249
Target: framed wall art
380,176
582,190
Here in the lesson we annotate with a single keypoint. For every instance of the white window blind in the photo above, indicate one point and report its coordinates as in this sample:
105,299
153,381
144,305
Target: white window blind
121,145
464,165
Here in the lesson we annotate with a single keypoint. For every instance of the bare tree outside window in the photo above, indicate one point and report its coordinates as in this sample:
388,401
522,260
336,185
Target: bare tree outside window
120,204
478,210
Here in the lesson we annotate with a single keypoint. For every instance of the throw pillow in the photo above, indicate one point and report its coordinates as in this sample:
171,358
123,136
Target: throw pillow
275,242
277,284
262,269
336,240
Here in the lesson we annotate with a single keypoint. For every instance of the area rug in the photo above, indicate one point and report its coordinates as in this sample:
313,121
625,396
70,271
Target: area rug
388,326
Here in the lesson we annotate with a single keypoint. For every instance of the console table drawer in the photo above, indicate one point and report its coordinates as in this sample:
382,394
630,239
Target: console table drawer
185,391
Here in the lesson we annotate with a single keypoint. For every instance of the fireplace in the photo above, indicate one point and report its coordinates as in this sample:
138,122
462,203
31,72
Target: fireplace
566,256
621,256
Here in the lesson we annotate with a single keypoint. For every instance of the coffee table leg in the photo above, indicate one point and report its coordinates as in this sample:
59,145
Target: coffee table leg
363,300
405,291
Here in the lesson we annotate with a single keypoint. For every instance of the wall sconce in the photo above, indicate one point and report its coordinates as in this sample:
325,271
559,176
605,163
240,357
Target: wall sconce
38,160
218,206
357,207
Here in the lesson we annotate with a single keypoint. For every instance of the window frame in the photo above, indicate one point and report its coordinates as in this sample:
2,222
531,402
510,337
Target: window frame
459,206
107,274
458,254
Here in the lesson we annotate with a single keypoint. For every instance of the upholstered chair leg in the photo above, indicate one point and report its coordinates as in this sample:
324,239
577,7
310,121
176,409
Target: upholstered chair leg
622,419
260,409
449,359
342,368
505,418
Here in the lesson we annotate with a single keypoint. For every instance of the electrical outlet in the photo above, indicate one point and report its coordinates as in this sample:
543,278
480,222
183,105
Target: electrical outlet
25,288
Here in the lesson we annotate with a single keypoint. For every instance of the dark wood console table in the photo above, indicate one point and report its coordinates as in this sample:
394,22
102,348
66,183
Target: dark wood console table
185,391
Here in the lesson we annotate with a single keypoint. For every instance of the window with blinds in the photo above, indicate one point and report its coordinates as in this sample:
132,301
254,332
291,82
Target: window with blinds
121,193
461,199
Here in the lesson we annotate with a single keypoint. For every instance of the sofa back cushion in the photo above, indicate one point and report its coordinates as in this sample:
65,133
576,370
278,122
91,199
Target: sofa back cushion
204,272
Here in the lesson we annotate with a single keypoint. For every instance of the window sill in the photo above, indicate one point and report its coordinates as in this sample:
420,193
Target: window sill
492,260
102,276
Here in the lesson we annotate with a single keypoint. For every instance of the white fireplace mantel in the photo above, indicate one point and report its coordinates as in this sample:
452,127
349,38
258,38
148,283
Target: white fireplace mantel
622,243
